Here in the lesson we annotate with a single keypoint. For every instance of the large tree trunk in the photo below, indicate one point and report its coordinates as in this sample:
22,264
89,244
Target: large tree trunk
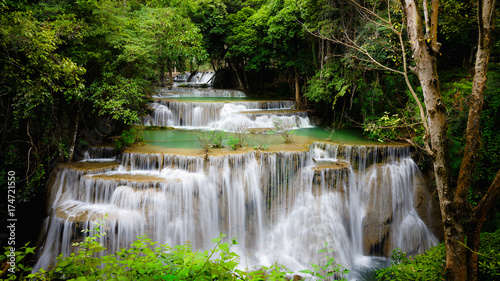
485,22
425,48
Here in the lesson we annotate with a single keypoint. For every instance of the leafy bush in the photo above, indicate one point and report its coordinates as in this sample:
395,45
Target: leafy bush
330,269
128,137
17,269
329,84
427,266
430,265
383,128
489,256
234,142
144,260
218,138
209,139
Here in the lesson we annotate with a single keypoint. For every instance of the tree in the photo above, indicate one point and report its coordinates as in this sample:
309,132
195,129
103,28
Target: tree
455,208
421,22
210,16
290,43
175,40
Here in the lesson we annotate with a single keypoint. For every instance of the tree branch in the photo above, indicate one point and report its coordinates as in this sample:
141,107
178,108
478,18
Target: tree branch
350,43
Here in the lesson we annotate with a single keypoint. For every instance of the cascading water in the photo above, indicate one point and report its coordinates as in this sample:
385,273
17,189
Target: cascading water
197,79
280,205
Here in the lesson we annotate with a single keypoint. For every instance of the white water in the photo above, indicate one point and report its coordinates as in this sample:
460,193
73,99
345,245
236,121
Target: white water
225,115
199,78
280,206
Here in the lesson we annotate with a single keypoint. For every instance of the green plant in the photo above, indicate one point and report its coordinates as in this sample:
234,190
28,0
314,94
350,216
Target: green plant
209,139
427,266
205,139
234,142
263,141
261,147
285,128
128,137
238,138
328,270
398,257
218,138
144,260
16,262
489,256
384,128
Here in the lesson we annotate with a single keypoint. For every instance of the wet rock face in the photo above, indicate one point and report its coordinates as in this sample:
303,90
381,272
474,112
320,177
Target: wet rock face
426,204
379,214
332,175
393,214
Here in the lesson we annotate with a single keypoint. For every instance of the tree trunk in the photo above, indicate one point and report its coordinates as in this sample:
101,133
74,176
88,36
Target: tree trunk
73,140
170,75
238,78
161,70
425,48
472,144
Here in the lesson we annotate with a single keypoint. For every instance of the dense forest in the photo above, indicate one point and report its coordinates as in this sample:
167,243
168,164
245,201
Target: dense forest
75,73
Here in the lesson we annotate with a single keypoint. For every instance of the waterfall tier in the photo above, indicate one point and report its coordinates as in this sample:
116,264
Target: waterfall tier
221,110
359,199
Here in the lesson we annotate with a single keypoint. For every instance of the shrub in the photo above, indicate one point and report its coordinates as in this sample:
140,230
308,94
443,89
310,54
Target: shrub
234,142
427,266
284,128
17,269
144,260
128,137
329,270
205,139
218,138
211,138
489,256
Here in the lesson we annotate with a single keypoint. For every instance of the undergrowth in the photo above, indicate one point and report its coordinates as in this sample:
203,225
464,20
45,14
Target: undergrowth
144,259
430,265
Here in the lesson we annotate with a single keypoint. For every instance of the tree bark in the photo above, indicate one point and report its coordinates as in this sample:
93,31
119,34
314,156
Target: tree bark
73,140
472,144
425,49
235,71
485,12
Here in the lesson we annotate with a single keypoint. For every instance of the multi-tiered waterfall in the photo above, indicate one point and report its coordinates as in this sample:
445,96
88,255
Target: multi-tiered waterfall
282,203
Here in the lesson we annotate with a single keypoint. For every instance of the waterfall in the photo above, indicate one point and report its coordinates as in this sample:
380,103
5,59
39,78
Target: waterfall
221,115
171,109
272,202
279,205
97,153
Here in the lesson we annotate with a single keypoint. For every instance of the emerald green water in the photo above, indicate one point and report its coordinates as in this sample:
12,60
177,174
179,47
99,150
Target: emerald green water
208,99
352,136
186,139
214,99
171,138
